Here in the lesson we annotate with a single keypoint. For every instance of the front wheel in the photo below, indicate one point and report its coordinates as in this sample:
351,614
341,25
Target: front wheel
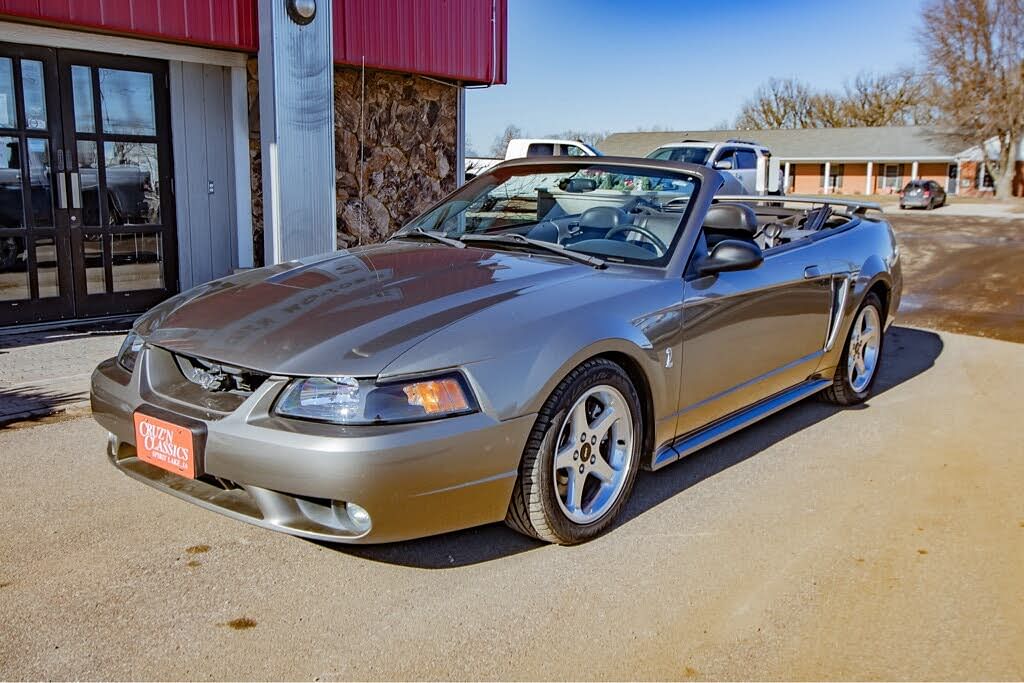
581,458
858,366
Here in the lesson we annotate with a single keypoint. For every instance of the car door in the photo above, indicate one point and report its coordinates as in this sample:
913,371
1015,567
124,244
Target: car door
745,169
752,333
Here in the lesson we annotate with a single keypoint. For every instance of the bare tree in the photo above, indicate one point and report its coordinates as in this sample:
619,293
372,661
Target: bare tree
511,132
827,111
975,49
894,99
891,99
592,138
779,103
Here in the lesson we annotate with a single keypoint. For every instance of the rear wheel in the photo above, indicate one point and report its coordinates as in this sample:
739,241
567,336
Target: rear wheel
581,458
858,366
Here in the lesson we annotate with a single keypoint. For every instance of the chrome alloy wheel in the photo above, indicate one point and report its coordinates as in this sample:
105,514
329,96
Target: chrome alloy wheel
865,342
593,454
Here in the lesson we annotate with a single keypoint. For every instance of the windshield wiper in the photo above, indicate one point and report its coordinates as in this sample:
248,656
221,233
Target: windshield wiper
517,240
420,232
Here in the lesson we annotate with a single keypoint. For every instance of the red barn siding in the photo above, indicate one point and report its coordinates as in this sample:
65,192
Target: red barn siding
444,38
217,23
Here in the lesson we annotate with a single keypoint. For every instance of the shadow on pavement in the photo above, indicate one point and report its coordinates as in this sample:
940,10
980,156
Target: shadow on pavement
907,353
93,329
33,402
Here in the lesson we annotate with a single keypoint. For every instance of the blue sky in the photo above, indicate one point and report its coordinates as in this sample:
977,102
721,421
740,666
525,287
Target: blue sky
615,65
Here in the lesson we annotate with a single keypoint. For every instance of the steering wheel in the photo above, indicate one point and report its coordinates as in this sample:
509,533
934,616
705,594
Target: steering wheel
642,205
650,236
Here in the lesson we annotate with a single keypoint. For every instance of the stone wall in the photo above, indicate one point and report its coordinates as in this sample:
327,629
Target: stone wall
408,128
394,151
255,159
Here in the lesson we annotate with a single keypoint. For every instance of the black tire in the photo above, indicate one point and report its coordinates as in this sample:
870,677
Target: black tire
842,391
534,509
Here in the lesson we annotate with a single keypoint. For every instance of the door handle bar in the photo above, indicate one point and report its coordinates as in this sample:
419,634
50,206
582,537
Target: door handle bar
76,191
811,272
62,190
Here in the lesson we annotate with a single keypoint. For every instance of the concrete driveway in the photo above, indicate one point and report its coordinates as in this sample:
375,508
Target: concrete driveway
883,542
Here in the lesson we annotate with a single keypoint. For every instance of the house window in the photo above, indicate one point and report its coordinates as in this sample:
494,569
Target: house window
833,183
891,177
985,179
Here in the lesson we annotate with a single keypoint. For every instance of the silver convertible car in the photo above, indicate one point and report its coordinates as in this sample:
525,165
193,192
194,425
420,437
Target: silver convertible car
516,353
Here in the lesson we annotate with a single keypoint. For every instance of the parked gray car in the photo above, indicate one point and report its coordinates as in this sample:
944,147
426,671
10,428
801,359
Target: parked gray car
516,353
922,194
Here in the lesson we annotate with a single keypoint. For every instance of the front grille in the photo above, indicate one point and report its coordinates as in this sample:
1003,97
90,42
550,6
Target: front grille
197,387
214,377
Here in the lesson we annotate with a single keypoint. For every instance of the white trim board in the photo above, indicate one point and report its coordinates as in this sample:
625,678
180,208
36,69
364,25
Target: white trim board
31,34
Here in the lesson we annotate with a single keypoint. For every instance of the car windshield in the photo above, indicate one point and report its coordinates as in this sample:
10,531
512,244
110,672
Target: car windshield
689,155
615,213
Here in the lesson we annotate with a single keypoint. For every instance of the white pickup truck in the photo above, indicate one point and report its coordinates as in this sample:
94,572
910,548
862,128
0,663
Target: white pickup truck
749,163
531,147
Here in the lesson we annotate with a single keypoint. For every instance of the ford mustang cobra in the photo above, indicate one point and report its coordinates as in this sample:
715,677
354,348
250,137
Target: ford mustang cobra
516,353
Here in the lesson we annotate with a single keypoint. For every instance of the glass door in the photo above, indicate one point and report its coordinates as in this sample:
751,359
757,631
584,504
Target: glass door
35,274
121,211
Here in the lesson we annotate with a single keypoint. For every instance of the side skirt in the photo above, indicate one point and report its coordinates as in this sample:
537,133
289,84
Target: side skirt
694,441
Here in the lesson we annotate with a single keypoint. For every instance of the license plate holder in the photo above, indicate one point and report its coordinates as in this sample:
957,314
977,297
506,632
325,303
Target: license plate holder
172,442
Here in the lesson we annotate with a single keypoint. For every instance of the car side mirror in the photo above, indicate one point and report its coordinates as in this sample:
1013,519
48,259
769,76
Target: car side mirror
723,165
731,255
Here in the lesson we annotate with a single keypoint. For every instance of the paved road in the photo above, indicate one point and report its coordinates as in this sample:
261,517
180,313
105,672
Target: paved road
47,372
885,542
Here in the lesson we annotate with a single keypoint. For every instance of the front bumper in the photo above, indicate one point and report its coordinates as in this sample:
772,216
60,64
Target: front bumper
295,476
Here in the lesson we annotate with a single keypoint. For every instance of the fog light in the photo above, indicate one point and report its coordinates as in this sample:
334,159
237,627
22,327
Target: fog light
359,516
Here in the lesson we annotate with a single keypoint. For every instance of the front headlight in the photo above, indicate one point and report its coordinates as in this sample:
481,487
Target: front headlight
129,353
350,401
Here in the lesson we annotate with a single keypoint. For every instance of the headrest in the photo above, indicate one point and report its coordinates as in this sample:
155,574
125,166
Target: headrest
604,217
731,217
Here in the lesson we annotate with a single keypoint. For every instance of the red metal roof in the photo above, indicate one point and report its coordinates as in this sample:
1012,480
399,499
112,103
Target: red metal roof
453,39
446,38
229,24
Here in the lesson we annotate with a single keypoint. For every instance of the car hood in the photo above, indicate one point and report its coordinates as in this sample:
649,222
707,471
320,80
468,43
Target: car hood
347,313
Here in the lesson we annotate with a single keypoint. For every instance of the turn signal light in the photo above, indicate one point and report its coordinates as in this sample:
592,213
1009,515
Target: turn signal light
438,396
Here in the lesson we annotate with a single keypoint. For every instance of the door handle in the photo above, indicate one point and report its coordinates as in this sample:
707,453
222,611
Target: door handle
62,189
76,191
811,272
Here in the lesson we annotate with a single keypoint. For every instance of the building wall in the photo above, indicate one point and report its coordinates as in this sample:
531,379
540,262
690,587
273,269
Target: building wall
854,177
969,171
806,178
395,150
937,172
255,159
396,140
203,171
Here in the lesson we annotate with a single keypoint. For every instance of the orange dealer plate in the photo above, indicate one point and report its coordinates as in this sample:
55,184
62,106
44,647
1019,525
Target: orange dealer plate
165,445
